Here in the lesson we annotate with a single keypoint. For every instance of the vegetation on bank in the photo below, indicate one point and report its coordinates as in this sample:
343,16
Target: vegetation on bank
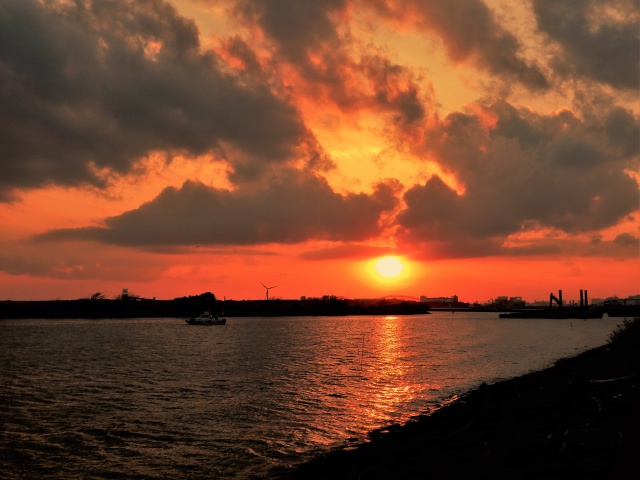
627,332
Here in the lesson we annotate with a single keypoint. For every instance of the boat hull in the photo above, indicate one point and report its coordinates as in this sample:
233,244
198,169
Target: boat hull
193,321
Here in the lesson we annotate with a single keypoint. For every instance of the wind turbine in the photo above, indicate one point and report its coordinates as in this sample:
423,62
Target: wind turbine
267,289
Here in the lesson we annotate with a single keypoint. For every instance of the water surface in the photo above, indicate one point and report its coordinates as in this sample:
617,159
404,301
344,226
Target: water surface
155,398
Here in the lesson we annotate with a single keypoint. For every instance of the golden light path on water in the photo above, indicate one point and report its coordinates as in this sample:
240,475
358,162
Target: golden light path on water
387,344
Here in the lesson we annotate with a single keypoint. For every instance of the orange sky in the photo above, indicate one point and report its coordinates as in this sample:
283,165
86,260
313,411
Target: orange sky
174,148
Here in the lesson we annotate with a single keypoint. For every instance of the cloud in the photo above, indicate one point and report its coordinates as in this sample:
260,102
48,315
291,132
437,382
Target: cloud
598,39
315,36
297,26
89,86
289,209
312,36
345,251
521,171
470,33
627,240
79,260
242,53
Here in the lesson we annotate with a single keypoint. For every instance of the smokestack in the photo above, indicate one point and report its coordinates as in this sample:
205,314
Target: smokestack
560,298
581,299
586,299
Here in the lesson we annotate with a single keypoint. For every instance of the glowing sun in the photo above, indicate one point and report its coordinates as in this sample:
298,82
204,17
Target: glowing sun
389,267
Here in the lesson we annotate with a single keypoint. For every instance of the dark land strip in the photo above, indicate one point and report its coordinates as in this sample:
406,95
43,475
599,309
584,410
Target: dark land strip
135,307
193,306
579,419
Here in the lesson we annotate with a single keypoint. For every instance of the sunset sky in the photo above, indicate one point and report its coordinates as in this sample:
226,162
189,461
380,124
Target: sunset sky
179,147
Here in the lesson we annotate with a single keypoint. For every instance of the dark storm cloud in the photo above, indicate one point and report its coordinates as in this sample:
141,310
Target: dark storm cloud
521,171
94,85
599,39
289,210
469,32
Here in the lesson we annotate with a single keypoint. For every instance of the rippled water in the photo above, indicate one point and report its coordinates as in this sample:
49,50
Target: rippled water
155,398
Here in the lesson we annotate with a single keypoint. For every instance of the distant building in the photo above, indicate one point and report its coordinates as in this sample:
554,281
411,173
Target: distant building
425,299
539,303
614,300
507,303
443,302
633,300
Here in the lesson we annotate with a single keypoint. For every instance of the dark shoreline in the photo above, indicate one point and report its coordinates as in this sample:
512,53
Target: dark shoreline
194,306
577,419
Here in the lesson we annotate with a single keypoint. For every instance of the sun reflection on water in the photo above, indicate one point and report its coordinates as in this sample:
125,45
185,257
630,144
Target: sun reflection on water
386,368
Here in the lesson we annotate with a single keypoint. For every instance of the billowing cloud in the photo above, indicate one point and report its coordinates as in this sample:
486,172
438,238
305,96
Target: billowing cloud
305,31
313,38
521,172
599,39
89,86
470,33
289,209
297,26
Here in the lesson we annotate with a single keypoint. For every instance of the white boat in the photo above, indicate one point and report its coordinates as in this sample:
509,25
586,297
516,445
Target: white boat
206,319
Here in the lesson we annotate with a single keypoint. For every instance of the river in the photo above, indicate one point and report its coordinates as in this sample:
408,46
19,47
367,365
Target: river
156,398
